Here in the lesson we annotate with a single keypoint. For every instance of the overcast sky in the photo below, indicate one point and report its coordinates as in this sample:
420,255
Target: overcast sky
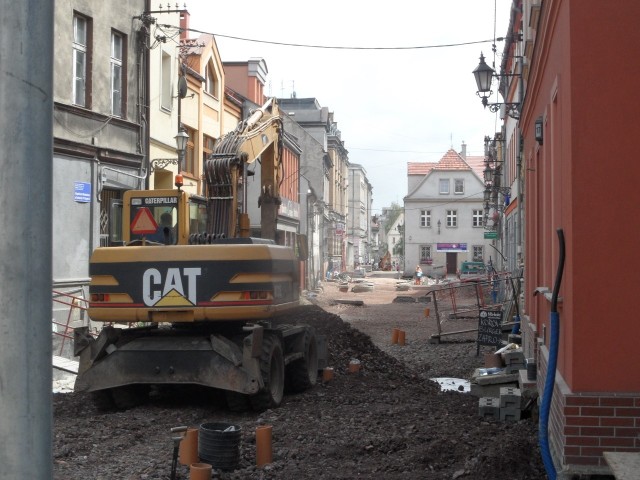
393,105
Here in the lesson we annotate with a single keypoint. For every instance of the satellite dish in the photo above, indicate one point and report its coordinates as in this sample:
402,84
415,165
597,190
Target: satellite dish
182,87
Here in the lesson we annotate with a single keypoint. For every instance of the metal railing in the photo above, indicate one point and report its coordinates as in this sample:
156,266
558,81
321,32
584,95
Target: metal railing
78,305
456,305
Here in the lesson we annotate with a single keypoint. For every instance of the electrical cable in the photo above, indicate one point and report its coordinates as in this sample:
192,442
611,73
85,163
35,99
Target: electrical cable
331,47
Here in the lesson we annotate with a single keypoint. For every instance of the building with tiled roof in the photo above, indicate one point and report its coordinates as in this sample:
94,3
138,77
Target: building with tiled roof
444,213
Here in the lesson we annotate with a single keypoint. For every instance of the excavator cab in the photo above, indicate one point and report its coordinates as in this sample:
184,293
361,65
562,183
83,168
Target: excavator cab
162,217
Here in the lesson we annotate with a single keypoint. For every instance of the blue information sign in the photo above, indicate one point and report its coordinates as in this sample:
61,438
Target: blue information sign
82,192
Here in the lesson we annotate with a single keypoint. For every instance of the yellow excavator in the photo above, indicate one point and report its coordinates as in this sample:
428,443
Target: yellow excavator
191,298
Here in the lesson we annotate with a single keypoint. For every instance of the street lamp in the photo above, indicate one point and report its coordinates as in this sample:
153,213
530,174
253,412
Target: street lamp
487,173
181,146
484,74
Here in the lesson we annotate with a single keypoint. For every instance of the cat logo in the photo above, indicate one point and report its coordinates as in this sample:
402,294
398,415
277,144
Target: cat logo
176,289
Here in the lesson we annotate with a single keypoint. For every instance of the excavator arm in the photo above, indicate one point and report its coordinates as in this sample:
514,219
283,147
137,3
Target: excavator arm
225,171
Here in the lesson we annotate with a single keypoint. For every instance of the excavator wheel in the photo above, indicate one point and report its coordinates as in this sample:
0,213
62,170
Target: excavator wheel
103,400
129,396
237,402
272,370
303,373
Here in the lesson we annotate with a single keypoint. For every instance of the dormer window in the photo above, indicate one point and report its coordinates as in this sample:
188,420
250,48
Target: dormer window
210,80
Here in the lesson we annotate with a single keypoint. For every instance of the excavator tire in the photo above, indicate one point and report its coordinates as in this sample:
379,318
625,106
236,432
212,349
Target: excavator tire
237,402
303,373
102,400
129,396
272,370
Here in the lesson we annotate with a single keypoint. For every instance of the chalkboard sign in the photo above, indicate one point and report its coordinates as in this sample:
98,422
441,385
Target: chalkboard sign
489,329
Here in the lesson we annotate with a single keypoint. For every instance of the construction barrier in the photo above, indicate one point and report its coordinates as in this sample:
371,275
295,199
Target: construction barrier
456,306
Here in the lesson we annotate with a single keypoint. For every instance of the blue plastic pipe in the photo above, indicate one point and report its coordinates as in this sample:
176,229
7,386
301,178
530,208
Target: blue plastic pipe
545,406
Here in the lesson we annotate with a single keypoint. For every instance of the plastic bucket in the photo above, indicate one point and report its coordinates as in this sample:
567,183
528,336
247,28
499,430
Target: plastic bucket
219,445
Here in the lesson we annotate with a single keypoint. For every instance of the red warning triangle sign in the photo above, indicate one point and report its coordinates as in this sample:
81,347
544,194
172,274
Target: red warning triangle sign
143,223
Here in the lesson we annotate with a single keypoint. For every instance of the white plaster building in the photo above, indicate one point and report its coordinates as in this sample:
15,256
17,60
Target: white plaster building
444,214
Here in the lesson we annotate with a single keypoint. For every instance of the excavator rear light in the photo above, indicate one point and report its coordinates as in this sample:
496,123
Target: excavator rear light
256,295
99,297
179,181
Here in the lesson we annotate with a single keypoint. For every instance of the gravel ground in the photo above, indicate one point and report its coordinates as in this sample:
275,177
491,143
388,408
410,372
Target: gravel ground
388,421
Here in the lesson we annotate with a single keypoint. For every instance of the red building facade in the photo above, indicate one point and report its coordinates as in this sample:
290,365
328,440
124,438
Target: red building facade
581,177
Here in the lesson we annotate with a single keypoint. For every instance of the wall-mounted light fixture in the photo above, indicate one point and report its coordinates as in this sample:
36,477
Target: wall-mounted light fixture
181,146
439,223
538,130
484,75
492,174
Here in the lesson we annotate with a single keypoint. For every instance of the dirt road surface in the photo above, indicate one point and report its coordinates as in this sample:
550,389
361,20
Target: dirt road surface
388,421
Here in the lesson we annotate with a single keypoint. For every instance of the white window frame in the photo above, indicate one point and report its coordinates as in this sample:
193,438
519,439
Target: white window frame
478,253
166,75
458,182
443,186
117,74
79,84
452,218
425,249
478,218
425,218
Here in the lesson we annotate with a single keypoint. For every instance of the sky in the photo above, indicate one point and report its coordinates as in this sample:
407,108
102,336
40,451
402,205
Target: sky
392,104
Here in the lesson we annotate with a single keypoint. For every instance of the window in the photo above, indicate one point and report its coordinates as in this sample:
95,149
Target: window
425,218
207,147
189,156
210,81
117,74
478,253
444,186
165,88
425,253
81,51
458,186
478,216
197,216
394,239
452,218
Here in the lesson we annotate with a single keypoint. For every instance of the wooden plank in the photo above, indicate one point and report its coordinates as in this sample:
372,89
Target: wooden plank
624,465
64,364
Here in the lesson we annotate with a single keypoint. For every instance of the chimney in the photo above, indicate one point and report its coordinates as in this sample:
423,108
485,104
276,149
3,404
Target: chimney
463,153
184,25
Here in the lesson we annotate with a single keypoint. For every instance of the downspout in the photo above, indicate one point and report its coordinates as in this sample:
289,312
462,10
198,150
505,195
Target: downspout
550,381
143,84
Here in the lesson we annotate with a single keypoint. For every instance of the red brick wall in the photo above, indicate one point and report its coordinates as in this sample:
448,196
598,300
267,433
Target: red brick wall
584,425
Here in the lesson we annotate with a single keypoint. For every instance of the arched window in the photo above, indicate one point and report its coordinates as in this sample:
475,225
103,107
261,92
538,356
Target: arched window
210,80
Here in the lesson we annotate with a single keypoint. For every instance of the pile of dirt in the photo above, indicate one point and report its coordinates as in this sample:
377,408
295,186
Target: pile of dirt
386,421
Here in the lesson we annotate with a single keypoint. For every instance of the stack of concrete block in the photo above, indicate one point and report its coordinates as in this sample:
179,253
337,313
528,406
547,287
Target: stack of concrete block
514,360
506,407
484,385
528,387
510,404
489,408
